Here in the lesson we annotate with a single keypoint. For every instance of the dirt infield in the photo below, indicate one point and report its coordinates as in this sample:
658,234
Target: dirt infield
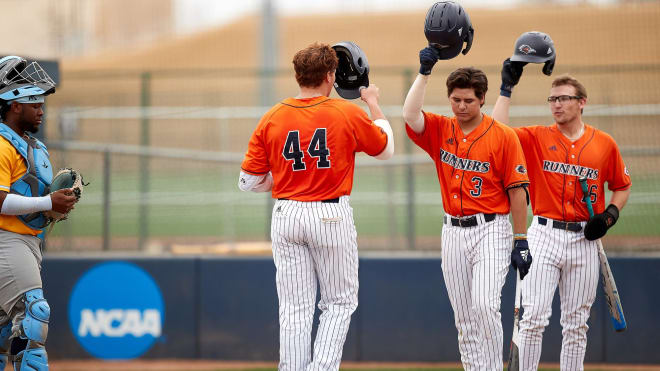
180,365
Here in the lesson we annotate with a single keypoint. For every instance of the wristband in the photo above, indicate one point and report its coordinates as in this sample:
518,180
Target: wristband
505,90
520,236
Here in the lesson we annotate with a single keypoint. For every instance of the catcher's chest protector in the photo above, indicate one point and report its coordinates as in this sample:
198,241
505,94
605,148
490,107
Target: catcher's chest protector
38,176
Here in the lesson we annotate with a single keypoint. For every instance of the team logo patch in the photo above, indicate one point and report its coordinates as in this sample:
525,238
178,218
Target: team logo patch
553,148
526,49
521,169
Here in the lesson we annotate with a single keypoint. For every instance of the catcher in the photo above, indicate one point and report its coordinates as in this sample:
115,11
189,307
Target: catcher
25,199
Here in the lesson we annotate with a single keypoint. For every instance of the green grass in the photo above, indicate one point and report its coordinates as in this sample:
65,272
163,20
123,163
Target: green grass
208,203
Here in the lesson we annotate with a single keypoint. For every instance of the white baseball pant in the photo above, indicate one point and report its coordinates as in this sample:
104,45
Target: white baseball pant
568,260
314,241
475,262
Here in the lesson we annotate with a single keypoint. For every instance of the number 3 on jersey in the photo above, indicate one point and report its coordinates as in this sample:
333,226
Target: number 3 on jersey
476,192
318,148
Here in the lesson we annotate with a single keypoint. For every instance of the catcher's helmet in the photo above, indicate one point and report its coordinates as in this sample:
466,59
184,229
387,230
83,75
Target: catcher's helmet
352,70
20,80
535,47
447,27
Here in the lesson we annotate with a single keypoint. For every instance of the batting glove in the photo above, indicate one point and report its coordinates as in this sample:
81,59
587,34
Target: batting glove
427,59
521,259
598,225
511,72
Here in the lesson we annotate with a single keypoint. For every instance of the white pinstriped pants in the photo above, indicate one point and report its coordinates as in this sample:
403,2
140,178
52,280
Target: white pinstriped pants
475,262
568,260
314,242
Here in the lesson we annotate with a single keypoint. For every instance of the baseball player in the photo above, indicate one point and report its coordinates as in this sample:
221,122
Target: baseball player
303,151
482,175
562,236
25,174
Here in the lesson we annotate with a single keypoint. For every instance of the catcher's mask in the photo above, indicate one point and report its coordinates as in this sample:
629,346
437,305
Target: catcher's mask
535,47
447,27
23,82
352,71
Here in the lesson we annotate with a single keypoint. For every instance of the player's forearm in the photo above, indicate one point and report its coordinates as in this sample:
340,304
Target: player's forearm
501,109
518,199
412,107
20,205
374,109
620,198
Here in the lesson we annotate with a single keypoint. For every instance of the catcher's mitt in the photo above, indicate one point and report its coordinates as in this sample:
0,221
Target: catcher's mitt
65,178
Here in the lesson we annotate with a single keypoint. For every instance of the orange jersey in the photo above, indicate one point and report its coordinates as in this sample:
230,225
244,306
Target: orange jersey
12,168
474,170
555,164
309,146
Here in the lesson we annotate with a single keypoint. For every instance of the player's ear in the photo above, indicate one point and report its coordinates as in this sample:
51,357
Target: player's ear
582,102
330,77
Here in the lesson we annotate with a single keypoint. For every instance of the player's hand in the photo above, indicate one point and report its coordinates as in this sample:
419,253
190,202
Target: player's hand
598,225
369,94
521,259
427,59
511,72
63,200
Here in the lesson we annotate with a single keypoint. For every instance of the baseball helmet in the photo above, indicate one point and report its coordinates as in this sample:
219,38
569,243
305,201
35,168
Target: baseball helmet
447,27
20,80
352,71
535,47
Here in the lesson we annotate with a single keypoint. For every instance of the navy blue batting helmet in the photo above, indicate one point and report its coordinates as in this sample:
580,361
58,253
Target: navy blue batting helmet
447,27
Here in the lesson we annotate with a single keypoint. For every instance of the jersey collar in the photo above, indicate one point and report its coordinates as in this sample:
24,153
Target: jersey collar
485,123
588,130
305,102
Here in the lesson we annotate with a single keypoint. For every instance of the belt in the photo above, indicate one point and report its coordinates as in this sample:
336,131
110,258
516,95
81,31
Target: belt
567,226
470,221
329,201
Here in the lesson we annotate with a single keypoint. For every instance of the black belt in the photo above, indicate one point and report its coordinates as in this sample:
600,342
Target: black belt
330,201
567,226
470,221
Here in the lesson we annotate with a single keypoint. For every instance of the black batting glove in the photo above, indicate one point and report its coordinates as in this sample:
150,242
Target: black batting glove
427,59
521,259
598,225
511,72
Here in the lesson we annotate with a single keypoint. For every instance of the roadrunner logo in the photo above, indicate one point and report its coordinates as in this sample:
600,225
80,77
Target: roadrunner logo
463,163
568,169
116,311
526,49
521,169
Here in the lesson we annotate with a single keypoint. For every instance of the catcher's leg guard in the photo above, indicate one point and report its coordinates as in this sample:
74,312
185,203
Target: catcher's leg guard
35,328
5,333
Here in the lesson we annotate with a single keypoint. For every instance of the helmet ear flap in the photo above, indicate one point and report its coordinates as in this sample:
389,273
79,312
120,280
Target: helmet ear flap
548,67
470,37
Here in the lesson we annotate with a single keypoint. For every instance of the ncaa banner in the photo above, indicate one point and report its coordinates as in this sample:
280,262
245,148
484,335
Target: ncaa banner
116,311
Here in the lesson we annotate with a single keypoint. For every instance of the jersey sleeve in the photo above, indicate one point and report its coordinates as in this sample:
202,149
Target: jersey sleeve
425,140
514,165
6,154
618,178
369,138
255,161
